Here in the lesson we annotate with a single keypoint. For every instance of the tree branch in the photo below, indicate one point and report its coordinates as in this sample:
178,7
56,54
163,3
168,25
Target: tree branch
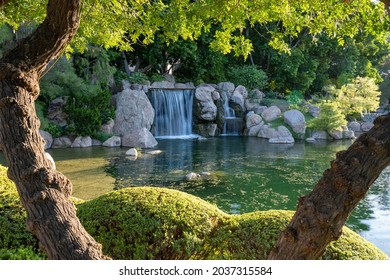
50,38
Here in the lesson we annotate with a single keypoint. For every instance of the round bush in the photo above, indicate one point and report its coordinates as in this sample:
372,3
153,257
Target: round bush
159,223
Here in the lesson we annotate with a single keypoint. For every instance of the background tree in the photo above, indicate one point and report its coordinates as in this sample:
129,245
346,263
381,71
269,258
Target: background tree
45,192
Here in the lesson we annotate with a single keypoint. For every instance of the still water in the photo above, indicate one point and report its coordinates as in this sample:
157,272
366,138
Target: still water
243,174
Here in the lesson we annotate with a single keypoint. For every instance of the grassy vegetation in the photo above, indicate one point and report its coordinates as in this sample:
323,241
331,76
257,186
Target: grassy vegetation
159,223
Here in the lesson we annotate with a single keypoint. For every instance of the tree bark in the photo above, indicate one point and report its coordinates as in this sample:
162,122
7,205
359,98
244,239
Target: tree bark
43,191
321,215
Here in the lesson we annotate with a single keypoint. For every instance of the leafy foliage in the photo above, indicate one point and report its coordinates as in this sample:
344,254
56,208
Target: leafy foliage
331,117
62,80
87,113
356,98
249,76
124,23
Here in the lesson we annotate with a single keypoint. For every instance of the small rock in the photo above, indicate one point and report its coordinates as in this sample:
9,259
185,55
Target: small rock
114,141
192,176
201,138
132,152
50,158
310,139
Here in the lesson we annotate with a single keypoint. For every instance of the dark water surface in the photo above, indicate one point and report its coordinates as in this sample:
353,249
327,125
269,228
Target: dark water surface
245,174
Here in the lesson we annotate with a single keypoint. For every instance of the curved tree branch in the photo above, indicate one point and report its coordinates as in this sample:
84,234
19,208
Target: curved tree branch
49,39
44,192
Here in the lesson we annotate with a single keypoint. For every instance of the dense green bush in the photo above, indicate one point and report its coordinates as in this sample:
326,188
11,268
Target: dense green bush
250,76
331,117
356,98
158,223
87,113
150,223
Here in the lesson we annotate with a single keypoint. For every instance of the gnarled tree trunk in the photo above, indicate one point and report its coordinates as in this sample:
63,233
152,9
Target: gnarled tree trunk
321,215
43,191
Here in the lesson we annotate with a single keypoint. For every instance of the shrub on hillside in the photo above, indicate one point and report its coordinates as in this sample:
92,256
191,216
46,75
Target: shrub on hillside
356,98
249,76
331,117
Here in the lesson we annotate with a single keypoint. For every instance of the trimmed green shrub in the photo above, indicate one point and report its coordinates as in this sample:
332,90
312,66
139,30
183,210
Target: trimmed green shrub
158,223
150,223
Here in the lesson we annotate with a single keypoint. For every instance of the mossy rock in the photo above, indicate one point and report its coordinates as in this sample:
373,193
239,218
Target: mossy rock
159,223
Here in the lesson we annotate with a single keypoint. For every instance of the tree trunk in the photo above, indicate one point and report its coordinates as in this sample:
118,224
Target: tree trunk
321,215
43,191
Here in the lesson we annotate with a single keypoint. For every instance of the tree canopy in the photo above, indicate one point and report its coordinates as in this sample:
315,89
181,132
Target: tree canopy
122,23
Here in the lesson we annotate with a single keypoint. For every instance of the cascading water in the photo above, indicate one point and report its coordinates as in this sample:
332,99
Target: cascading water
232,125
173,112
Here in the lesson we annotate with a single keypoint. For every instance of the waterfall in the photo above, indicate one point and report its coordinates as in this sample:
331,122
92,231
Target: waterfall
173,112
232,125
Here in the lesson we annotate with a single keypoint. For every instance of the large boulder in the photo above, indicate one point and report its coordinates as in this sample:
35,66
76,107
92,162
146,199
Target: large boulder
242,91
296,120
270,114
108,127
266,131
133,112
238,99
82,142
114,141
314,110
204,107
253,124
366,126
62,142
141,138
320,135
227,88
47,137
341,134
354,126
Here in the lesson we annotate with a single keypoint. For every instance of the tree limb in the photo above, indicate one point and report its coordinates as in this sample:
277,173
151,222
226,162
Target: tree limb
59,26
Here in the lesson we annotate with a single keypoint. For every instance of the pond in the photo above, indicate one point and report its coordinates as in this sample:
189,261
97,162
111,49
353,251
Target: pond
242,174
